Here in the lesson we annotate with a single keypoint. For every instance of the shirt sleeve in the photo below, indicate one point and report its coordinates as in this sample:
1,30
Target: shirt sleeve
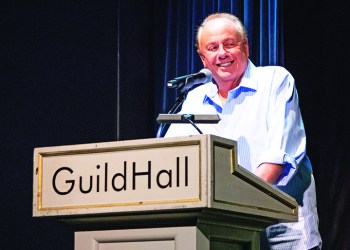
286,134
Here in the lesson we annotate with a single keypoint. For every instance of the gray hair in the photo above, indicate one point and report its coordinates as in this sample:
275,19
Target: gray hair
235,20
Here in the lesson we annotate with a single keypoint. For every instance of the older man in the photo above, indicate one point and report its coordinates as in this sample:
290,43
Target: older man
259,109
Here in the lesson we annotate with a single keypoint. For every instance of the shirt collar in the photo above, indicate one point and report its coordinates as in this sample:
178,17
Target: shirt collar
248,81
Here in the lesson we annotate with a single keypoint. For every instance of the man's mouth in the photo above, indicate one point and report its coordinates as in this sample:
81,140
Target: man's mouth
224,64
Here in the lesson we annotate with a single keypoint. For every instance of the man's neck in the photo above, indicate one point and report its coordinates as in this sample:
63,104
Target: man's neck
223,97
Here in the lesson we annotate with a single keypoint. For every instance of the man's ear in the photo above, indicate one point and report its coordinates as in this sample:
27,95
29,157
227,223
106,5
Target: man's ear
202,57
246,47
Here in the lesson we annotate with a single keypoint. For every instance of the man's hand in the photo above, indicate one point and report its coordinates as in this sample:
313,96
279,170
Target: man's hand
269,172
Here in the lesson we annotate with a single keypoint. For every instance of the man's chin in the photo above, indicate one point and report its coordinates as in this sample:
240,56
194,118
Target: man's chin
225,76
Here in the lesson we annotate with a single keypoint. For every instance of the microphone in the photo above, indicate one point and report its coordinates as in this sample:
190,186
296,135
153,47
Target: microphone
188,81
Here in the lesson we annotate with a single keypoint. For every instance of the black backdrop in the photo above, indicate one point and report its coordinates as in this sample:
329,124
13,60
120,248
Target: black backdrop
60,67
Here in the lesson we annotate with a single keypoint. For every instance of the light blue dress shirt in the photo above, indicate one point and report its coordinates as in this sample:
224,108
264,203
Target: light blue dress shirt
262,114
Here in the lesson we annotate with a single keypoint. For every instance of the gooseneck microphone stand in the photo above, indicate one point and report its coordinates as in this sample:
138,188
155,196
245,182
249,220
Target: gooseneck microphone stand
178,102
187,83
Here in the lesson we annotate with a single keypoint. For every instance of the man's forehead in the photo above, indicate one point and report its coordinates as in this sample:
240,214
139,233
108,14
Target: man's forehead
220,21
219,26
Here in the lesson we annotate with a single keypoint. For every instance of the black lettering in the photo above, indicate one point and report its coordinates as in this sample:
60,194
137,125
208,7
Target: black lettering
72,182
106,177
81,185
123,176
168,173
98,180
186,171
178,171
134,174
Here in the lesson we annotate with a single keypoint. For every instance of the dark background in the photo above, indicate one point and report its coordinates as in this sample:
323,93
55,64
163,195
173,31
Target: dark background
60,70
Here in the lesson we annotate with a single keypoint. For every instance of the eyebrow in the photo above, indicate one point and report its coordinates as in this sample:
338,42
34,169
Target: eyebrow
211,43
224,41
230,39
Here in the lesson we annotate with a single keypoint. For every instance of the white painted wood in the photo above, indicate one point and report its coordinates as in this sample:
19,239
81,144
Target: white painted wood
152,175
191,184
177,238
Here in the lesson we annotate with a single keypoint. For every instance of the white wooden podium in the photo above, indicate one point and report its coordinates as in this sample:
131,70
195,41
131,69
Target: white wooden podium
166,193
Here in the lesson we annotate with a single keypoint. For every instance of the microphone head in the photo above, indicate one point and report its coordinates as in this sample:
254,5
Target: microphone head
208,75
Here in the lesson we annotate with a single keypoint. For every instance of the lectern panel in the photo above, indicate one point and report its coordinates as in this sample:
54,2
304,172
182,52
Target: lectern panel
166,193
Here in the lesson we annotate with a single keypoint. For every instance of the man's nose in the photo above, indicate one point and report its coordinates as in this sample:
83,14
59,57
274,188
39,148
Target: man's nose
222,53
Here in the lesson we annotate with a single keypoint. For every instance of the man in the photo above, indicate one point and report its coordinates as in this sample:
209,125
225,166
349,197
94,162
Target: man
259,109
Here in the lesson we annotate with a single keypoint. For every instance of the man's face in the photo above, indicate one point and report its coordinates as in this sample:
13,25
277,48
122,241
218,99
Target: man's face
224,52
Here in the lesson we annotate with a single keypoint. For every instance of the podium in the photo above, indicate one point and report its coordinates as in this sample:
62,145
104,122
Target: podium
164,193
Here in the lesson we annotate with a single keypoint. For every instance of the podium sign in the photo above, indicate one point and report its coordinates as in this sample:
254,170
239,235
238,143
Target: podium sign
107,176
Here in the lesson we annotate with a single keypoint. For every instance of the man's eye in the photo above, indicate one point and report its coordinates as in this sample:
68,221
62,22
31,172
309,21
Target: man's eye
230,45
212,48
